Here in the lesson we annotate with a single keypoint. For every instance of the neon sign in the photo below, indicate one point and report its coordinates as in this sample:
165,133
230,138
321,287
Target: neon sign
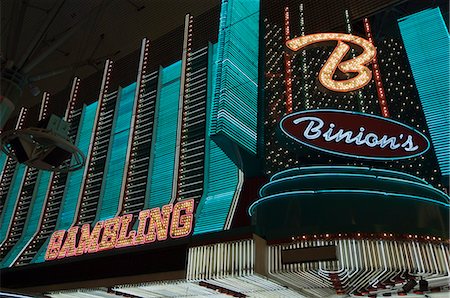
157,224
356,65
354,134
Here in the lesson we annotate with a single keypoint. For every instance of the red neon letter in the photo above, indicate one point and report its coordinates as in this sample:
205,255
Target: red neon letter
143,217
126,237
182,224
159,224
95,235
69,249
110,230
54,245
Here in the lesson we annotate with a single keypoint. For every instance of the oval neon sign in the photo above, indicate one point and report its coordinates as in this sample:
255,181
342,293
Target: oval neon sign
353,134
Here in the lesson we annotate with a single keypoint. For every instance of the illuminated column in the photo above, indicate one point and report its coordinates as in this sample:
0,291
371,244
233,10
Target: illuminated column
11,184
222,178
109,204
302,19
287,63
359,95
24,200
274,88
427,43
183,114
56,187
9,169
43,112
191,154
163,147
304,63
96,161
377,76
141,138
235,102
81,134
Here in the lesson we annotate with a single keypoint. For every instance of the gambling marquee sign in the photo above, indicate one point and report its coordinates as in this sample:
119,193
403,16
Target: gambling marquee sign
157,224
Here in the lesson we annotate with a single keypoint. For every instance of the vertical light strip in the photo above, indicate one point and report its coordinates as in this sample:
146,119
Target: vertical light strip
9,168
142,70
191,149
287,63
359,95
81,135
427,44
235,200
348,22
377,75
187,43
7,215
33,220
92,149
142,138
21,119
54,193
162,156
303,56
109,201
29,203
3,161
9,183
43,112
235,106
72,99
222,178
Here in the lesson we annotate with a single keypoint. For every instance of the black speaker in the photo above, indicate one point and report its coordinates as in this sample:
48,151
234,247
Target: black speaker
56,157
19,150
423,285
409,285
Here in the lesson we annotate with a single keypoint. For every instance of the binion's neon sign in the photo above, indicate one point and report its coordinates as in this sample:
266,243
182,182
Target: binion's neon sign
353,134
355,65
157,224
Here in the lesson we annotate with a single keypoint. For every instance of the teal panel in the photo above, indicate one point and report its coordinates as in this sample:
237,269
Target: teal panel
109,202
236,90
221,174
163,150
8,209
33,218
74,179
427,44
3,157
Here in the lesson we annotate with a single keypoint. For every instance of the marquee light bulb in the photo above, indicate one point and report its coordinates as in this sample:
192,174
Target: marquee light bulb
354,65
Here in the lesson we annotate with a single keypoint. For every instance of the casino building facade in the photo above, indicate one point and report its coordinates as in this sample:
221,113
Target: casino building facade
263,149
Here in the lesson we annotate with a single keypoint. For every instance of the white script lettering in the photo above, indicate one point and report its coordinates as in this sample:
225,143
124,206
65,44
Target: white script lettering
313,131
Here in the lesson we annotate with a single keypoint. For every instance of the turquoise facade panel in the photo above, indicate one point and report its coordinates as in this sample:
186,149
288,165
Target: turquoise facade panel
109,202
236,89
33,218
10,203
221,174
74,179
427,44
3,157
163,150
